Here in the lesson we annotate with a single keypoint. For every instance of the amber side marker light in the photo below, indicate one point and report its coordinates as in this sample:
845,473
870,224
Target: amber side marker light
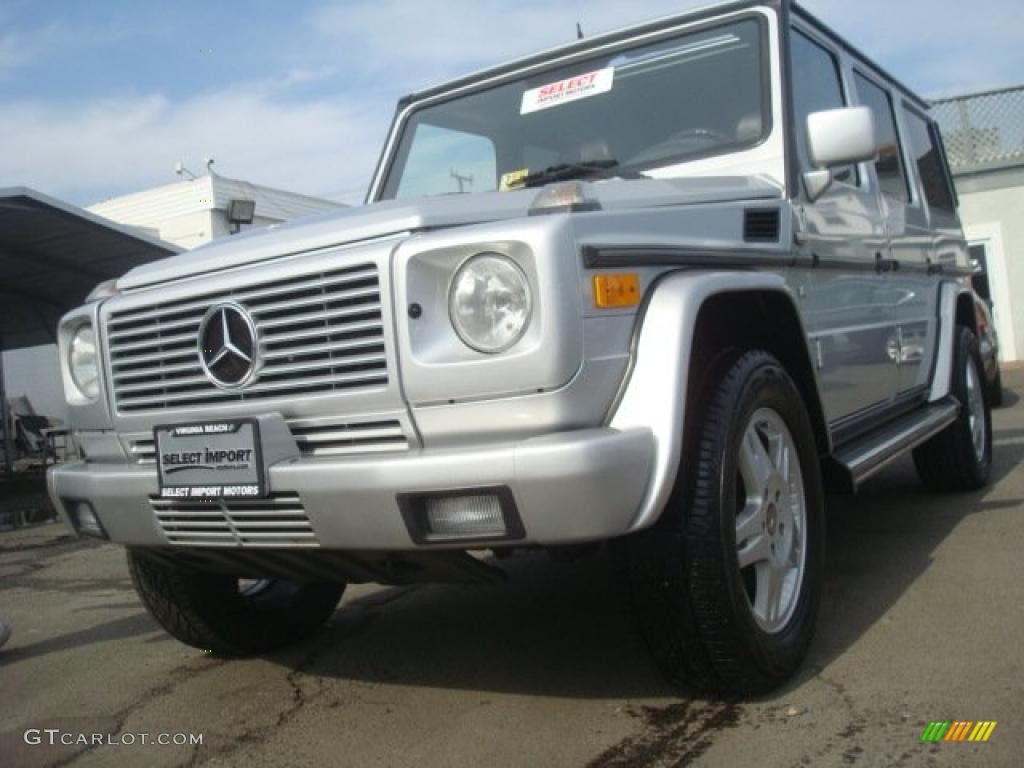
621,289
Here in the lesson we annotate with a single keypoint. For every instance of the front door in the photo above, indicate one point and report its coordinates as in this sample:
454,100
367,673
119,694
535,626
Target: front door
847,304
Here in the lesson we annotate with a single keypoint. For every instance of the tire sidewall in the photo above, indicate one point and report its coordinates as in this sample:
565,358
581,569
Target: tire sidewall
768,385
995,394
969,351
206,610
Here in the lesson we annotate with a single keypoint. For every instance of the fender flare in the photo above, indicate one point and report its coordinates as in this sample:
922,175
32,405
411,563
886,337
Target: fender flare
953,296
655,396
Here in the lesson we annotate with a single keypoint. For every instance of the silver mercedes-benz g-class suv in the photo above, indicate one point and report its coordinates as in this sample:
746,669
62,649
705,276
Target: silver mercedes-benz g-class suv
662,287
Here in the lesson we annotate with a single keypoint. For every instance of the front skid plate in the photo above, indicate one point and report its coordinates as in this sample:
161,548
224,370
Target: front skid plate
333,565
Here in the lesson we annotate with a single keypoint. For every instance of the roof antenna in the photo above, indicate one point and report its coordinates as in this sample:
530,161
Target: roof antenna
579,31
181,170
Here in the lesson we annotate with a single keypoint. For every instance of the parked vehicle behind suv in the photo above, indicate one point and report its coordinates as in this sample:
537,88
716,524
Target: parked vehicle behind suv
988,347
662,288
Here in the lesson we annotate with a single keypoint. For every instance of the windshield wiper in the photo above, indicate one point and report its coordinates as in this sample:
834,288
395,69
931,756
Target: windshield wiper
567,172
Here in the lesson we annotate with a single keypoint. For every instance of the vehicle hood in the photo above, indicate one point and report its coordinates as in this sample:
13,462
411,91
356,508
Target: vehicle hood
395,217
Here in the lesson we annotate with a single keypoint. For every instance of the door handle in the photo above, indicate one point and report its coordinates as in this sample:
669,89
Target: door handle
886,265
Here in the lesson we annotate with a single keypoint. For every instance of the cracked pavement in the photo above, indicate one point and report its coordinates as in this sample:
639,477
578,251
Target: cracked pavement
921,621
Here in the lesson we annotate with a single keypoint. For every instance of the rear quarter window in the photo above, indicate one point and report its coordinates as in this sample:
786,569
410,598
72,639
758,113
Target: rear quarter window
928,157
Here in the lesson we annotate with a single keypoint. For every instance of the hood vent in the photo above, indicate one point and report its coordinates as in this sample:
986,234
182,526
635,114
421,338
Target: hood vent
761,225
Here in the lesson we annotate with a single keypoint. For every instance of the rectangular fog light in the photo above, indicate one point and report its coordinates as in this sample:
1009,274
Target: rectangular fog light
472,517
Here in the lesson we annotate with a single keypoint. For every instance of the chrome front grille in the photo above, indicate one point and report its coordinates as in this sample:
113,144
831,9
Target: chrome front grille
277,521
142,451
320,332
315,437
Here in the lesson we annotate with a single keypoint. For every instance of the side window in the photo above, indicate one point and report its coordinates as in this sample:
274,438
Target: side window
816,87
889,167
446,159
930,167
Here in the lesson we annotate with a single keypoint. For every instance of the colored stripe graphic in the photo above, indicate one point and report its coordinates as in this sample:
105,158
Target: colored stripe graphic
935,731
982,731
959,730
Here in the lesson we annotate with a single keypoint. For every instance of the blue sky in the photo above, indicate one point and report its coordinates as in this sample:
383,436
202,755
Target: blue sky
102,98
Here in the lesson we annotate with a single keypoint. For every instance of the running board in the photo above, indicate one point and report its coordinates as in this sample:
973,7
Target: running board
855,463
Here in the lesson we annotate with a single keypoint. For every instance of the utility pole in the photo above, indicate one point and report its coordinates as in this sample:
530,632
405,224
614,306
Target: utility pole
5,418
462,180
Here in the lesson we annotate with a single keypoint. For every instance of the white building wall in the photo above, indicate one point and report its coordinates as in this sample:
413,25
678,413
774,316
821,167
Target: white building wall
193,212
996,217
34,372
190,230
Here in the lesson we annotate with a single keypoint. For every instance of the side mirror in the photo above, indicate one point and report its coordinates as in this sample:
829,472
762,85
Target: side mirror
838,137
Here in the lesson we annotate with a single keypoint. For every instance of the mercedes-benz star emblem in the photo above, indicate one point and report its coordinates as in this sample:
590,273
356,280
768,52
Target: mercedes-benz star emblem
227,346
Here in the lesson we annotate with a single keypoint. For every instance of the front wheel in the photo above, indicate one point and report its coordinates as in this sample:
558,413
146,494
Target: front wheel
727,585
227,615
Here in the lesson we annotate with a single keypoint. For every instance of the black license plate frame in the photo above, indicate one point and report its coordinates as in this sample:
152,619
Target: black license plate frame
194,459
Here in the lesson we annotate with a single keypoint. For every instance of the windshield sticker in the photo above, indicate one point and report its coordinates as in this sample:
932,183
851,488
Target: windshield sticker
568,90
513,179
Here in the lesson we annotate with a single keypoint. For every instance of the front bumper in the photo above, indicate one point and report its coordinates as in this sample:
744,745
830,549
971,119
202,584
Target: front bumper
570,487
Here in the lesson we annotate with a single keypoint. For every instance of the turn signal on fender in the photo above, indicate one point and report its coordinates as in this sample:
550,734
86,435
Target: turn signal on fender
616,290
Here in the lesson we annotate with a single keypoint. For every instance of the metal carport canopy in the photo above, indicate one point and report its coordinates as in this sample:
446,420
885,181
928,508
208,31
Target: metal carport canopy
51,255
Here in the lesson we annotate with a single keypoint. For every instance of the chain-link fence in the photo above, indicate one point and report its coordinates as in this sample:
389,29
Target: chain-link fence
983,131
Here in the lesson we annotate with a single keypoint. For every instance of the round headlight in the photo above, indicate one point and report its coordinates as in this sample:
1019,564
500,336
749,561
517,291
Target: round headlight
82,362
489,303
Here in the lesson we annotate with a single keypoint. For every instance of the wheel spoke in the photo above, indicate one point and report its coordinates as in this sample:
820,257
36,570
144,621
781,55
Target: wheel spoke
758,549
749,523
975,409
769,592
755,463
771,526
776,448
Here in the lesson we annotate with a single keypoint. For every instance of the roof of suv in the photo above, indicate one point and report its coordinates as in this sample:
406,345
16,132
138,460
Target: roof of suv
696,14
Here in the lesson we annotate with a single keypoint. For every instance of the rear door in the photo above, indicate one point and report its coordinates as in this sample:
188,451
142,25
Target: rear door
932,219
847,306
908,252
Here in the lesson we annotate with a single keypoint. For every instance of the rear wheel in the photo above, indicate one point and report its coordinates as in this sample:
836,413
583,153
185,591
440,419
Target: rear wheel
727,584
227,615
995,395
960,457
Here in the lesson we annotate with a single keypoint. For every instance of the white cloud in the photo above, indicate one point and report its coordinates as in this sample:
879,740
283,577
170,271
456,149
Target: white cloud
9,55
419,44
128,143
27,47
317,125
937,47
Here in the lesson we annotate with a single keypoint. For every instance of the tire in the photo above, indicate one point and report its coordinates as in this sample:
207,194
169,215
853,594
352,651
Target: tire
953,460
213,612
995,393
699,612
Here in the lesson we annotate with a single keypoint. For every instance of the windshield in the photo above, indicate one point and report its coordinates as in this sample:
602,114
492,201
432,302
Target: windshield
679,99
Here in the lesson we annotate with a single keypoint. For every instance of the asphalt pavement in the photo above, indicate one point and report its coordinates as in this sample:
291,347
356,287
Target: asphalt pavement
922,620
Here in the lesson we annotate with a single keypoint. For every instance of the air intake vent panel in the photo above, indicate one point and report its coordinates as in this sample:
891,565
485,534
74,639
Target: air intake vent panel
761,225
277,521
